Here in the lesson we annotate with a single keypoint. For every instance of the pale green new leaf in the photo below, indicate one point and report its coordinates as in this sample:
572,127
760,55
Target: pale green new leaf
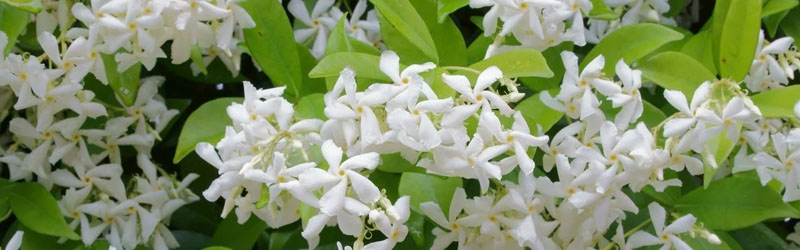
718,149
365,65
778,102
339,41
445,7
517,63
206,124
601,11
32,6
734,202
775,6
12,22
737,45
631,43
676,71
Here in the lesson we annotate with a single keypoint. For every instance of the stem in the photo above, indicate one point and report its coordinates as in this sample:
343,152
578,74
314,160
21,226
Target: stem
636,228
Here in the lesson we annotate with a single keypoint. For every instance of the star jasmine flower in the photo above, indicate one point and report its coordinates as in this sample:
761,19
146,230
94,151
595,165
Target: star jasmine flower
478,95
455,231
518,137
678,126
667,236
316,21
786,162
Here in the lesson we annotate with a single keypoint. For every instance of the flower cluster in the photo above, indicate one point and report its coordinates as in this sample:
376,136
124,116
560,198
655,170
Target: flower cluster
66,138
541,24
774,64
594,158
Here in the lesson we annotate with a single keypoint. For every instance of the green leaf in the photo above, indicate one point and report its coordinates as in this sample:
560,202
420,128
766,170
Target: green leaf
517,63
395,163
5,207
339,41
699,48
365,65
450,45
759,236
237,236
12,22
777,102
676,71
775,6
700,243
311,107
538,114
553,57
425,187
477,49
206,124
791,25
272,45
733,203
416,228
631,43
308,62
718,149
278,239
32,6
36,208
739,38
675,7
717,23
445,7
669,196
403,17
601,11
125,84
771,22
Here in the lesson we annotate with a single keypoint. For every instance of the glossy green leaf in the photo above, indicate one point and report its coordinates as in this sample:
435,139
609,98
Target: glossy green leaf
395,163
477,49
631,43
772,22
669,196
759,236
217,248
553,57
538,114
339,41
237,236
676,71
365,65
272,45
734,202
739,38
791,25
307,63
601,11
36,208
32,6
517,63
403,17
425,187
450,45
775,6
12,22
206,124
125,84
445,7
777,102
699,48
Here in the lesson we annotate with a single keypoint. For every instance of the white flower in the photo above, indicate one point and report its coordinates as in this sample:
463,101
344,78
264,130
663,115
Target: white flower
667,236
15,242
478,95
518,137
316,21
455,231
394,231
339,174
678,126
783,168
